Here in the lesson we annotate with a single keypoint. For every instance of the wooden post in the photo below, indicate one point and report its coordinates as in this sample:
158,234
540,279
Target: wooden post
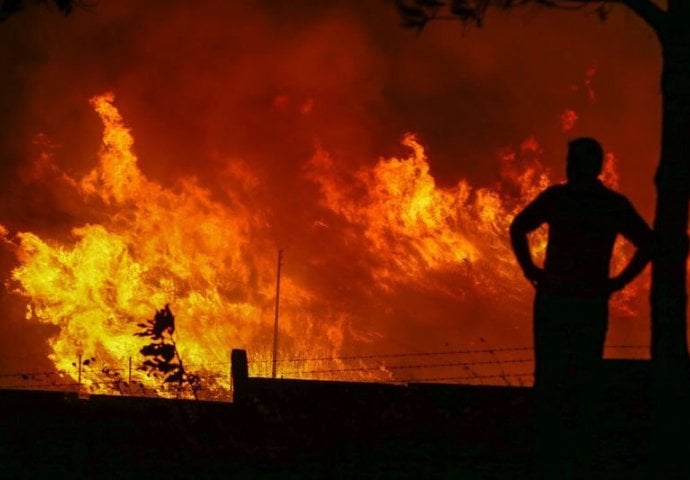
129,375
275,322
79,372
239,373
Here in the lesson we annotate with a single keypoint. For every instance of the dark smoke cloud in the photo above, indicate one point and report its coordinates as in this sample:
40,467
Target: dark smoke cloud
262,83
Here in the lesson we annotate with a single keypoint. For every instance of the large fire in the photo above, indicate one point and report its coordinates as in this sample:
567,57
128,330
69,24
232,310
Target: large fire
213,264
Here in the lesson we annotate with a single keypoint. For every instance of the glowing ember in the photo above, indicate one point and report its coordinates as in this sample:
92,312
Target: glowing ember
568,120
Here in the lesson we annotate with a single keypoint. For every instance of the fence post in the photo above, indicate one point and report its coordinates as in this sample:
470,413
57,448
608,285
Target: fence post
239,373
79,373
129,375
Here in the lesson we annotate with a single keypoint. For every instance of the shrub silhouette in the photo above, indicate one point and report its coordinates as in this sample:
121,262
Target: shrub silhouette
163,358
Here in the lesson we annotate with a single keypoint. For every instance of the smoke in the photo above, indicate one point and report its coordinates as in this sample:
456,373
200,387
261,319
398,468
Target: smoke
242,96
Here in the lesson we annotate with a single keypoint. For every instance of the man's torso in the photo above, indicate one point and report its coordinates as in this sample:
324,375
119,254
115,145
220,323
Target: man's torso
583,224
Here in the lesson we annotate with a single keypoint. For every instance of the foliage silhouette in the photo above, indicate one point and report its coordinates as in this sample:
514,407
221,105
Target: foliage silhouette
163,357
9,8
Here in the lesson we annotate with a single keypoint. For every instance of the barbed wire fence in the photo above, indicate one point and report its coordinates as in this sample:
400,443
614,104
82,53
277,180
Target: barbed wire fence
511,366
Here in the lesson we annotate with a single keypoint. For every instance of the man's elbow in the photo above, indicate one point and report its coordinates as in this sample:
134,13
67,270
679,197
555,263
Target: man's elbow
517,230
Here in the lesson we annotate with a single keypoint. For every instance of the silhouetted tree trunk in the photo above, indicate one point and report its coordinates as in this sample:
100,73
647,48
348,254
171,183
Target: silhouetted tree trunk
669,294
669,265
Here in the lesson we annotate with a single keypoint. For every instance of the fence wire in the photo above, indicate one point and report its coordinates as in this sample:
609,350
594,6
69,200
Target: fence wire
368,367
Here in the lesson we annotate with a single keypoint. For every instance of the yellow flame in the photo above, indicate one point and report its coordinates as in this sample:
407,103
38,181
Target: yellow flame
179,246
159,246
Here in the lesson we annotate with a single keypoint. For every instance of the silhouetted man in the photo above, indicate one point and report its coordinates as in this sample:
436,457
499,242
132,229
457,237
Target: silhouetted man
573,288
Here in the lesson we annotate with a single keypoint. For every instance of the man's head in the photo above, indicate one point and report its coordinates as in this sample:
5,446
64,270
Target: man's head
585,158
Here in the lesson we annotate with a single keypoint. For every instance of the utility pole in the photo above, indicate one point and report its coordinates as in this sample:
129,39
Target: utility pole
275,322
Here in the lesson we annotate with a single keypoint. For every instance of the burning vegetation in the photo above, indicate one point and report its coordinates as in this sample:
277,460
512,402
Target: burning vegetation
213,263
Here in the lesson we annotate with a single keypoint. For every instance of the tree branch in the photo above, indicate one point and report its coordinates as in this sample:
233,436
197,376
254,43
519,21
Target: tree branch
648,11
417,13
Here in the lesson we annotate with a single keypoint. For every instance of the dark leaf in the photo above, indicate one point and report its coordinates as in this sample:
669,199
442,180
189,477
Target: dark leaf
148,350
413,15
167,367
65,6
164,321
9,7
167,352
175,377
461,9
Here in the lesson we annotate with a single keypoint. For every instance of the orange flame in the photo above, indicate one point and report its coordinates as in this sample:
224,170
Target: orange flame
158,246
178,245
415,227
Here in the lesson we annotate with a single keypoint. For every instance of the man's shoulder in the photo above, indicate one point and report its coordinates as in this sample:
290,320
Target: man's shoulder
615,198
554,190
604,197
550,196
554,194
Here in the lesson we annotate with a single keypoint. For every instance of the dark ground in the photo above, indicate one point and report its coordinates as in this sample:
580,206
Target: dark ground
298,429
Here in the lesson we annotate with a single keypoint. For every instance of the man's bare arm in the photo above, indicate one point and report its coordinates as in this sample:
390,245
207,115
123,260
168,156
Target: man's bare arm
636,230
525,222
518,239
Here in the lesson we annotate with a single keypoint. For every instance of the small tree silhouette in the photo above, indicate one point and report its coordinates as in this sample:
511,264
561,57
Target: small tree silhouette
163,357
